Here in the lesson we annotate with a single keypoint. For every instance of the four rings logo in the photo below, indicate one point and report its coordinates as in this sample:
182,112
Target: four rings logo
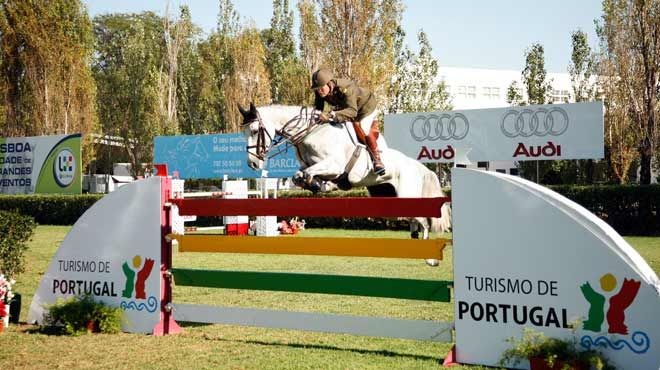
539,122
443,126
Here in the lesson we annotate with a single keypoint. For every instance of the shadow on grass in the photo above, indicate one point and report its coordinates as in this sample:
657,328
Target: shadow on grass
46,330
333,348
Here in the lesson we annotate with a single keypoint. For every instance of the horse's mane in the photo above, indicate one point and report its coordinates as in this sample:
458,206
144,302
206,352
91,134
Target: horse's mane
281,108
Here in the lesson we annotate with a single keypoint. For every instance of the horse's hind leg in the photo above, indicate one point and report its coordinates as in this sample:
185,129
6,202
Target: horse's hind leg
421,223
414,229
425,225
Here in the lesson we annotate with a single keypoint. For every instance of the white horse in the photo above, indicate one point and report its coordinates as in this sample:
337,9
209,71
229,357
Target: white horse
327,152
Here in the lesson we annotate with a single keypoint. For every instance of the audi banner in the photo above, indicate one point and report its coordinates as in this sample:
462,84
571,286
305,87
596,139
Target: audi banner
555,131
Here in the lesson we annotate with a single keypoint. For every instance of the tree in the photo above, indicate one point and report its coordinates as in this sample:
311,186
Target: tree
233,70
630,34
357,39
514,94
190,79
311,45
583,70
289,80
415,87
176,35
537,89
46,83
535,77
248,80
127,68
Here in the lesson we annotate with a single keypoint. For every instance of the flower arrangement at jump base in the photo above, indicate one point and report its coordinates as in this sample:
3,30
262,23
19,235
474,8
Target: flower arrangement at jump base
291,227
5,299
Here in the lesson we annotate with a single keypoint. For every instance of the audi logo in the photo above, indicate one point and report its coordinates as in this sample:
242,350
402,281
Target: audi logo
444,126
539,122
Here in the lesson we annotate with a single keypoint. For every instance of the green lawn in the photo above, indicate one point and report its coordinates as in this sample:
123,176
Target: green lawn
218,346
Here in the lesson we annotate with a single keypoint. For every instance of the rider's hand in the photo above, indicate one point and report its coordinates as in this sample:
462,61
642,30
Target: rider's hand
326,117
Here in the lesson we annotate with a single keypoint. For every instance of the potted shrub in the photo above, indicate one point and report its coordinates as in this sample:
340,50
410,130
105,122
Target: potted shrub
15,231
82,314
546,353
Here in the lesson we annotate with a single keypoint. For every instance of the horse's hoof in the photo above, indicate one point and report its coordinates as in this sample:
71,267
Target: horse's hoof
314,186
414,235
432,262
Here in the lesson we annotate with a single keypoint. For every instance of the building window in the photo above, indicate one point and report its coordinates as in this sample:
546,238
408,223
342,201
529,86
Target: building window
460,166
471,92
482,164
559,96
491,93
500,170
461,92
513,171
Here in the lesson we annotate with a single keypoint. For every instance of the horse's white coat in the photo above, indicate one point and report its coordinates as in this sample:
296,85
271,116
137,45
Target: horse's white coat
326,150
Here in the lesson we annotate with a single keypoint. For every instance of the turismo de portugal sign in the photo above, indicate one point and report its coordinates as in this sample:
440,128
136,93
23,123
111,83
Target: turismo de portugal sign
40,164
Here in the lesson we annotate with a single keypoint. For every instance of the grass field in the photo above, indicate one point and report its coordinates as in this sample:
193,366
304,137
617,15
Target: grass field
229,347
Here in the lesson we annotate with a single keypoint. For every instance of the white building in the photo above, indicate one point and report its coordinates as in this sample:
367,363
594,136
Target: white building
476,88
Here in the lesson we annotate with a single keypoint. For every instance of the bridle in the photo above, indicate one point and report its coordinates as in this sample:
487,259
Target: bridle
283,135
260,146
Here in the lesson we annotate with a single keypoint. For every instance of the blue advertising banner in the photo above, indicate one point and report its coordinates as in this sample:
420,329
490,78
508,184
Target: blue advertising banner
213,156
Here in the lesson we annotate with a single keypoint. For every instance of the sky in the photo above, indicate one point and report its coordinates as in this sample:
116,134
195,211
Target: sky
463,33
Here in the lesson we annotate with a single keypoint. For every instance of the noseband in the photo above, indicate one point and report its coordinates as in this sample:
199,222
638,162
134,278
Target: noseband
261,149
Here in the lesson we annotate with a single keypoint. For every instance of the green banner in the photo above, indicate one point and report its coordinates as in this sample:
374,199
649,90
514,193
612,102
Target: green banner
41,164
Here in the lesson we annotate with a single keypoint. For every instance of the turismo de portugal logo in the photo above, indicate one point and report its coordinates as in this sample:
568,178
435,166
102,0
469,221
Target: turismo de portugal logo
607,312
64,167
137,272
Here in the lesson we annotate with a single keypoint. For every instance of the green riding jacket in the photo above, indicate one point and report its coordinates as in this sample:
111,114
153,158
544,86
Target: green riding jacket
349,101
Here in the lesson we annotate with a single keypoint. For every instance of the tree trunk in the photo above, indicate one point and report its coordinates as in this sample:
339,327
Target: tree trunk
645,156
589,171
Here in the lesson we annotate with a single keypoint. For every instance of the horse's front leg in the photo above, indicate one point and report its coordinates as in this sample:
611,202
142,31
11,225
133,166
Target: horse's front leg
312,177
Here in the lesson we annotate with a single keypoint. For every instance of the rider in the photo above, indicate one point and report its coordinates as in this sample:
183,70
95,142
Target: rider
349,102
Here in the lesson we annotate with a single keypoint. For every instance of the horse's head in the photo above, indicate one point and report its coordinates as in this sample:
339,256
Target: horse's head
258,137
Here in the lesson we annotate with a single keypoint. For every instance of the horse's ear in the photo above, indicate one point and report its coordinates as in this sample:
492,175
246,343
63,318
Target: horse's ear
244,112
253,109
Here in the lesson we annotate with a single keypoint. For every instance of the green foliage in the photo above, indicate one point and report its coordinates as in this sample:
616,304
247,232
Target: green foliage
287,74
354,39
46,83
50,209
534,76
630,65
514,94
414,88
130,49
629,209
552,350
15,231
583,68
78,315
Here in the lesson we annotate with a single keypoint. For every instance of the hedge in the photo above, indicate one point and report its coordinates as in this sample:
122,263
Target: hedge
629,209
15,231
50,209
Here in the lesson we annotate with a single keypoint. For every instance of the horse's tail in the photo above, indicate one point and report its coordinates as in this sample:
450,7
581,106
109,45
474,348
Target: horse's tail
431,189
442,224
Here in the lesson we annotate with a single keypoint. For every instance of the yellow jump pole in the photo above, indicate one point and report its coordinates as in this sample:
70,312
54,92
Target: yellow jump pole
362,247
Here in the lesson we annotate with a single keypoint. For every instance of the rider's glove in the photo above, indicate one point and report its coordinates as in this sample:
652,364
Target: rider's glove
325,117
